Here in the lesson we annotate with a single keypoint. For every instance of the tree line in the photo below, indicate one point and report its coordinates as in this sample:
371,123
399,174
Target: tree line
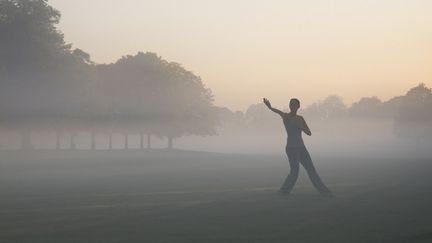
411,113
47,84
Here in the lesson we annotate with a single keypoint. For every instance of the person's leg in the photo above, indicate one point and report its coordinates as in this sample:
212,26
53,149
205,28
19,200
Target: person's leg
307,163
293,158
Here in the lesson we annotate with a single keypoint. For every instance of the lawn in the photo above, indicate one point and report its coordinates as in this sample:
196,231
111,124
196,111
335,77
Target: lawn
180,196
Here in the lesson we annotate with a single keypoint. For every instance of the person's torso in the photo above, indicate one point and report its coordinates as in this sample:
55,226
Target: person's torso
294,132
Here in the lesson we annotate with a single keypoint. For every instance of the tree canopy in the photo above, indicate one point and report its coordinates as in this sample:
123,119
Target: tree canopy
40,75
414,119
43,78
165,98
330,107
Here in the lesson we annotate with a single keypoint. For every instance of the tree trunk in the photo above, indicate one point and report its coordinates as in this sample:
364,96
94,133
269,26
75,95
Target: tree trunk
170,143
149,146
110,147
26,143
126,142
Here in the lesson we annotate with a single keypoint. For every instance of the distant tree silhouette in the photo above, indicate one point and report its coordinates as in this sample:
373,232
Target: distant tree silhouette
414,120
330,107
367,107
42,79
258,117
390,108
225,114
189,103
229,119
128,93
149,95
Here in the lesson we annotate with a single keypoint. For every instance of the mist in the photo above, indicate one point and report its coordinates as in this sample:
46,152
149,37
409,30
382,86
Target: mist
238,132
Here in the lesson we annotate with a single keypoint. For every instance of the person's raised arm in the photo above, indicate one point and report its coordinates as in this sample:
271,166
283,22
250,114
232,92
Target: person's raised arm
267,103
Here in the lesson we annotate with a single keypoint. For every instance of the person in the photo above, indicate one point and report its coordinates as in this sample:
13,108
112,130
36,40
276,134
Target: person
296,149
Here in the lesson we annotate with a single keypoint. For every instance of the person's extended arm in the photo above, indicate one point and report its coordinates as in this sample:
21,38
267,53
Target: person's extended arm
267,103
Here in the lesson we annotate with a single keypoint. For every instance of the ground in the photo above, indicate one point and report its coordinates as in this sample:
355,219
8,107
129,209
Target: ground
161,196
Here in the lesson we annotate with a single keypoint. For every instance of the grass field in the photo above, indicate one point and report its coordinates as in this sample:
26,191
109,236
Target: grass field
180,196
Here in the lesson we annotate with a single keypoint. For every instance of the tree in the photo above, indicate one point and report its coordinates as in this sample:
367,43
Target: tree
128,93
367,107
42,79
331,107
258,116
414,120
157,97
390,108
229,119
189,103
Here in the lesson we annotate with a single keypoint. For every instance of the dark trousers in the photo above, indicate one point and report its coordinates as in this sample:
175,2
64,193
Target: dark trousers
296,156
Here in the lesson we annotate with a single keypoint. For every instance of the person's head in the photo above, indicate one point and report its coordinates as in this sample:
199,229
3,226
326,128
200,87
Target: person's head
294,104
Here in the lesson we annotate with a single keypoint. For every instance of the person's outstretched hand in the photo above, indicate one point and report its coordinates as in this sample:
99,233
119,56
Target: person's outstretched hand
267,102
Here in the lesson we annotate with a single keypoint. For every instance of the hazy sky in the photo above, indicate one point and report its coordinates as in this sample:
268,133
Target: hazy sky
247,49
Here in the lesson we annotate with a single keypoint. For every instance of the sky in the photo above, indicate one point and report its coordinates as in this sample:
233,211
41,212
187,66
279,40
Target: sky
248,49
